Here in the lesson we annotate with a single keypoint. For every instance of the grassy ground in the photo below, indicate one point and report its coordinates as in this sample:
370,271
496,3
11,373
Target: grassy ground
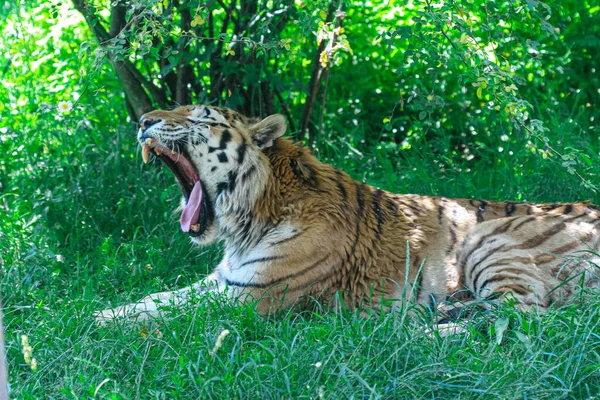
85,226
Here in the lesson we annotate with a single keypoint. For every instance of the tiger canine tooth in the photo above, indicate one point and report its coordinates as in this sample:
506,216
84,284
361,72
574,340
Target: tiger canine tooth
145,153
157,151
195,227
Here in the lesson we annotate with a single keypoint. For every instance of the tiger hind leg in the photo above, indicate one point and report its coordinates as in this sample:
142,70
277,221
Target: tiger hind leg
537,260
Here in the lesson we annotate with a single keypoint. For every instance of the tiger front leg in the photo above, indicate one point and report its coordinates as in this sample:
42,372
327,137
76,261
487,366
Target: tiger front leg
151,306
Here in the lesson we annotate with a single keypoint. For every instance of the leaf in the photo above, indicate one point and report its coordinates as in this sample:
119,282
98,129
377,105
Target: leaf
525,339
323,59
386,120
480,92
197,21
323,14
144,332
587,160
501,325
422,114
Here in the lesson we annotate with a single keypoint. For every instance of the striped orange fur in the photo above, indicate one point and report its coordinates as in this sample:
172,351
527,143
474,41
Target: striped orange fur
293,226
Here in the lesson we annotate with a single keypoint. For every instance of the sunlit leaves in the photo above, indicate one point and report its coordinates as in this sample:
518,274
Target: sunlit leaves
198,20
324,59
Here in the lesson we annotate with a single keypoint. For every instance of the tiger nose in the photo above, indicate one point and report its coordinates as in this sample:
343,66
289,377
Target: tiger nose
147,122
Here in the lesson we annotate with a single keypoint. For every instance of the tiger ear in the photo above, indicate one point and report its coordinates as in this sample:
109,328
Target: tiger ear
266,131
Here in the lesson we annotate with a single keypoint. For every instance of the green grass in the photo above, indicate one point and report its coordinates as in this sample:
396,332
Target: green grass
86,226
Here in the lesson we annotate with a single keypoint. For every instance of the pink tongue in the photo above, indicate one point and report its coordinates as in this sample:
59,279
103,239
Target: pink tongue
192,209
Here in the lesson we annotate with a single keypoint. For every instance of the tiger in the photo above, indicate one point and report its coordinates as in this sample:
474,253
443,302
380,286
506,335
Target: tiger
295,228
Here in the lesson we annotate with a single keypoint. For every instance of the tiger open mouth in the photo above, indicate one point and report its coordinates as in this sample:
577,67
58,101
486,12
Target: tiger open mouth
197,214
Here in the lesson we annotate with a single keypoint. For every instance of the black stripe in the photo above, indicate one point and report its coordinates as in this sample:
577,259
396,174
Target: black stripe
241,151
498,275
258,260
573,245
529,210
225,138
452,230
311,178
264,230
278,280
472,270
509,208
549,207
221,124
171,129
222,157
377,211
515,288
248,173
231,181
297,233
340,186
323,278
247,225
480,209
296,169
417,264
414,208
573,218
525,221
441,211
452,238
221,186
541,238
359,214
568,209
392,207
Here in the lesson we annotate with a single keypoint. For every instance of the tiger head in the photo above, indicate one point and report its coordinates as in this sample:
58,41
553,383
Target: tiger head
211,150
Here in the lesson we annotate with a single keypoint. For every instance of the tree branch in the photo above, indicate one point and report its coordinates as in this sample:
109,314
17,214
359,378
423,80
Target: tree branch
134,92
267,97
286,110
117,18
314,84
185,72
89,13
216,77
323,101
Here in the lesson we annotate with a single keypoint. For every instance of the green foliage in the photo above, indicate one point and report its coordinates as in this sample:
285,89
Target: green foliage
495,100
